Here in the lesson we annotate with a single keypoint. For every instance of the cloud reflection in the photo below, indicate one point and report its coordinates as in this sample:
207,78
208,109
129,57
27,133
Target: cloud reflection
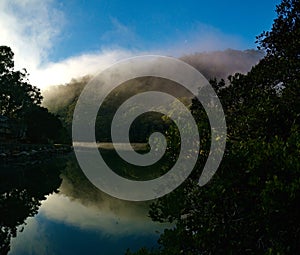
110,219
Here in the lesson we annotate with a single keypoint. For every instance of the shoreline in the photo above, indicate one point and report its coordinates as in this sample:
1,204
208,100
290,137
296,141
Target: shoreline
18,153
11,153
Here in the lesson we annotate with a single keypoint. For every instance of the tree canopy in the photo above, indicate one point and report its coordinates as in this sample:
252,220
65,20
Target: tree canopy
17,95
20,101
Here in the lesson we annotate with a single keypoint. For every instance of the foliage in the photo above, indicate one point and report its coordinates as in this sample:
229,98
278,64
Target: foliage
251,206
43,126
20,101
17,95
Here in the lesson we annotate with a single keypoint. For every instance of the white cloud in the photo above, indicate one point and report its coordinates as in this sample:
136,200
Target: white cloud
29,27
62,72
32,28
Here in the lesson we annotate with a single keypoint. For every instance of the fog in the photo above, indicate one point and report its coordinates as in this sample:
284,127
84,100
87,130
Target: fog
216,64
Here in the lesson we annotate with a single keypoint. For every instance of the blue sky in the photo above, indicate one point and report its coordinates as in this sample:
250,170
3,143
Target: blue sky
145,25
57,40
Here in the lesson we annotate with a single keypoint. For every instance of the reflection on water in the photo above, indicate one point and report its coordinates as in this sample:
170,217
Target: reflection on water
22,188
52,208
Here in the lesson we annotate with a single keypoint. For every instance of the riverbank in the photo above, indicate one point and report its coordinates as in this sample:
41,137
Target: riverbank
22,153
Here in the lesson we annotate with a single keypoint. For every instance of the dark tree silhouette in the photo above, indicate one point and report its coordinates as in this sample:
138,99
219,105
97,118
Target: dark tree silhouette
21,191
20,101
17,95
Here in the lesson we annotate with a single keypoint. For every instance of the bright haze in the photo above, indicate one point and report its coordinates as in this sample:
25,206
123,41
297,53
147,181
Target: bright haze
60,40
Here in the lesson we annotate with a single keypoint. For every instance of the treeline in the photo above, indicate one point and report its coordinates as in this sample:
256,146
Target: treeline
61,100
251,206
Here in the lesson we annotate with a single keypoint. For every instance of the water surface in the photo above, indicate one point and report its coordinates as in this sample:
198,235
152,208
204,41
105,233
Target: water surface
51,208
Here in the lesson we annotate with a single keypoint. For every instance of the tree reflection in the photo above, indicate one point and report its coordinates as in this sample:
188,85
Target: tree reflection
77,187
22,188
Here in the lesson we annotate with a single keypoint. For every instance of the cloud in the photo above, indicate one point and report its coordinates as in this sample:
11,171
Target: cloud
32,28
202,37
74,67
121,34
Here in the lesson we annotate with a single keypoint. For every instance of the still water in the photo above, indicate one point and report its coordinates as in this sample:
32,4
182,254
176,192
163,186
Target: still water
51,208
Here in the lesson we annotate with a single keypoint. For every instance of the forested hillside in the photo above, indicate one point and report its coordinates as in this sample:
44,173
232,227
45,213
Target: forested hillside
218,65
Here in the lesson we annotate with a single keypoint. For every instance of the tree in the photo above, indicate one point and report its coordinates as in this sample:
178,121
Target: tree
16,94
20,101
43,126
